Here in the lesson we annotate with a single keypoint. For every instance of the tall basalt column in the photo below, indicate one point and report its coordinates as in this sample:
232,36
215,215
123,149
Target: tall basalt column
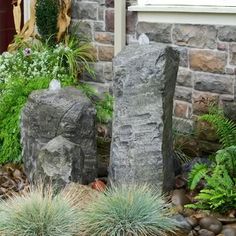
144,84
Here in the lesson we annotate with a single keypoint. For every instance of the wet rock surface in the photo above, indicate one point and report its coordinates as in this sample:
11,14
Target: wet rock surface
66,112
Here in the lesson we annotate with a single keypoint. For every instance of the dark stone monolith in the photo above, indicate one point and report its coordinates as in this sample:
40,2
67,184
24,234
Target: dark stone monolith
144,84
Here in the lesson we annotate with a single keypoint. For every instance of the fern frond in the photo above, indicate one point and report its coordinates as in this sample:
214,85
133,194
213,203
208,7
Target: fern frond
225,128
198,172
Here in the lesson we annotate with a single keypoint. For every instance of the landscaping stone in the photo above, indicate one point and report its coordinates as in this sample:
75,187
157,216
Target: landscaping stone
155,31
198,36
211,223
182,222
205,232
60,161
66,112
144,83
179,197
229,232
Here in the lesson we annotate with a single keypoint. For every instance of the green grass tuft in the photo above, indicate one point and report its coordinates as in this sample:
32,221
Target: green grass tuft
39,212
123,210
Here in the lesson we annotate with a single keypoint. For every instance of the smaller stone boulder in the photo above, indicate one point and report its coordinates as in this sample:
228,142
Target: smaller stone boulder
61,162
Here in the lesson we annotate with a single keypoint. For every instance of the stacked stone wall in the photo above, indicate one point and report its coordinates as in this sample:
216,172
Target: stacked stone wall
95,19
207,56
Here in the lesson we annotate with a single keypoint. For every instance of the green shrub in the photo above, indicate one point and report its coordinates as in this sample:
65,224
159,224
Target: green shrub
46,12
123,211
39,213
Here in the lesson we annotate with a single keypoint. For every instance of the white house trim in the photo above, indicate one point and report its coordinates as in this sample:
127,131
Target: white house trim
26,10
120,25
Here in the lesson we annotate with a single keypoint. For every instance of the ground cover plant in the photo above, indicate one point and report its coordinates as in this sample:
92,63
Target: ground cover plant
128,210
219,191
33,68
40,212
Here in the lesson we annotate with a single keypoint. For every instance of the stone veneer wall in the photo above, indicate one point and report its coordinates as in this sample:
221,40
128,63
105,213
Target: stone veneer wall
208,56
207,68
95,18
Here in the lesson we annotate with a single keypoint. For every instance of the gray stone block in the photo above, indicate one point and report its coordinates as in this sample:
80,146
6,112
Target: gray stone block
61,162
222,84
199,36
144,82
66,112
155,31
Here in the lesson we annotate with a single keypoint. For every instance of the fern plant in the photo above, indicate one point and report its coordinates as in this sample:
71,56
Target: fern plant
225,128
198,172
220,191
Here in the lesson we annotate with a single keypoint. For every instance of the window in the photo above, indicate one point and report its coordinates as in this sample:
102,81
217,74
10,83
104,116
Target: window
223,3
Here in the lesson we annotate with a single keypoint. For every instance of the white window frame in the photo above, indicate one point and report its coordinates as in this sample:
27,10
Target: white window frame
213,3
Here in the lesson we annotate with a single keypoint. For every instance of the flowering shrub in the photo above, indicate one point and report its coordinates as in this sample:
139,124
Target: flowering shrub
35,62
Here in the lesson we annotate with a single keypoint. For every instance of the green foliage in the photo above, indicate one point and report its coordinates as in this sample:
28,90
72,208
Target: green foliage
14,95
39,212
30,69
220,191
198,172
46,12
123,211
104,108
225,128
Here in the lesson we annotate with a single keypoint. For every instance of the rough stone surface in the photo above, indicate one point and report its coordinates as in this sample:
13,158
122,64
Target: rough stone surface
215,83
144,81
155,31
227,33
207,60
232,50
183,93
184,77
198,36
66,112
211,223
105,53
181,109
60,161
202,101
109,16
88,10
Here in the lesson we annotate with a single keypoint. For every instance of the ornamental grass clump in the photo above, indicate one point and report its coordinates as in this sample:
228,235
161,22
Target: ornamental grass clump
127,211
39,212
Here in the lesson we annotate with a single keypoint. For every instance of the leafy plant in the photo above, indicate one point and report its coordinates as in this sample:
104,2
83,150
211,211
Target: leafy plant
225,128
220,191
14,96
39,212
29,69
104,108
198,172
128,210
46,12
